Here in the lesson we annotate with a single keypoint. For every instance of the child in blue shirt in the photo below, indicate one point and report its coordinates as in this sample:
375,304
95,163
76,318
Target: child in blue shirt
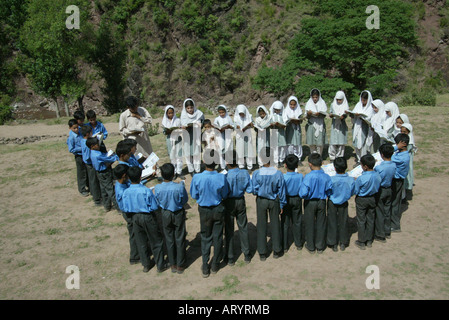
239,182
292,215
386,170
343,188
315,189
140,201
366,188
97,126
210,188
269,187
171,198
94,184
122,183
401,157
74,145
102,165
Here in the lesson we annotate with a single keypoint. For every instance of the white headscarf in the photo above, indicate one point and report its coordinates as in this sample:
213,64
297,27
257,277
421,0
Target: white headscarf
263,122
380,116
320,106
290,113
339,109
367,111
174,122
222,121
186,117
247,119
277,117
390,122
410,135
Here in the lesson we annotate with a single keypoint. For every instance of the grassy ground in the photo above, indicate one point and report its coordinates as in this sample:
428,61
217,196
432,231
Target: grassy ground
46,226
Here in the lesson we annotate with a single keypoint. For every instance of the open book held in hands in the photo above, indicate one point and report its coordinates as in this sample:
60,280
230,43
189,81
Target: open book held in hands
149,164
225,126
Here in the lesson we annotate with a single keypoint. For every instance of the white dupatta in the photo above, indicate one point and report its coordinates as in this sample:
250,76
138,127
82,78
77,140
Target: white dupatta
320,106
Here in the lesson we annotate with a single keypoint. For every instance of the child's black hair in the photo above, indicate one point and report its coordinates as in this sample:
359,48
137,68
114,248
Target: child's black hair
189,103
167,171
72,122
291,161
134,174
131,102
368,160
90,142
79,115
364,95
91,114
315,92
122,148
120,170
207,121
131,142
85,130
402,137
386,150
315,159
340,165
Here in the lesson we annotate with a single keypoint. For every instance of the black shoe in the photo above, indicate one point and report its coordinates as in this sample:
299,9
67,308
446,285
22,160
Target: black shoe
262,257
342,247
146,269
380,239
320,251
360,245
247,258
276,255
299,248
206,273
311,251
164,267
85,194
134,262
231,262
174,269
395,230
180,270
369,244
214,269
335,248
388,236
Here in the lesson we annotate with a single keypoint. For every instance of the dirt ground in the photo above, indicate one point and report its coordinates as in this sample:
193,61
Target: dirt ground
47,226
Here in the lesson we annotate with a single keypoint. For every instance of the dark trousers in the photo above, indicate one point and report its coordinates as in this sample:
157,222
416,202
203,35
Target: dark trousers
383,213
107,188
236,209
94,184
148,238
292,217
315,224
133,250
211,230
265,208
365,211
337,223
396,187
82,178
174,225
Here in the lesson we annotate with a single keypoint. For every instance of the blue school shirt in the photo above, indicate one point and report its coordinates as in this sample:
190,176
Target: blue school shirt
85,151
209,188
293,181
386,170
74,143
268,182
99,159
316,185
343,188
402,161
133,162
239,182
367,184
171,196
119,189
99,128
139,199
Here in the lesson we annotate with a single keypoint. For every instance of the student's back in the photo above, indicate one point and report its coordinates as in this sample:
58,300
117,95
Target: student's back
209,188
171,195
268,182
316,185
367,184
293,181
343,188
239,182
139,199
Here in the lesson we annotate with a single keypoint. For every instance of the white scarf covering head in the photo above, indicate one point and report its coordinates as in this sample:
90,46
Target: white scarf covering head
404,119
367,111
379,116
247,119
390,122
221,121
320,106
410,135
263,122
290,113
339,109
186,117
278,105
174,122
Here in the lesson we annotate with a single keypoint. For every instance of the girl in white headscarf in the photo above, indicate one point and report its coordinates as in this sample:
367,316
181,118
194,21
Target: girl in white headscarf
392,112
377,121
171,125
315,128
360,129
293,134
243,122
262,126
191,121
276,113
339,128
225,125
